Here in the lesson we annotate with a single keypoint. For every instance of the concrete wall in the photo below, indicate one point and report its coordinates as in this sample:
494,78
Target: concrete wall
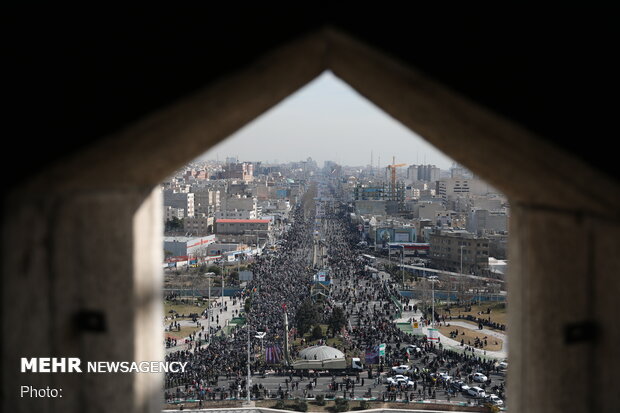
562,311
86,252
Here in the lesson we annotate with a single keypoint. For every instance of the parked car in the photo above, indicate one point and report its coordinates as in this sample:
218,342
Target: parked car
493,399
402,369
479,377
503,364
476,392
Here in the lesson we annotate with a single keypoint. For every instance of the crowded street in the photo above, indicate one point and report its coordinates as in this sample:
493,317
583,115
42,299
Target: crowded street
371,302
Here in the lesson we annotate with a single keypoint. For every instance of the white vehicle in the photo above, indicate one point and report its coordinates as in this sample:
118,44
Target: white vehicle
394,379
503,364
479,377
476,392
402,369
399,379
445,377
493,399
413,348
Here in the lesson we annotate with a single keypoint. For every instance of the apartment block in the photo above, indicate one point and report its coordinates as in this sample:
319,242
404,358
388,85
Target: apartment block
180,200
450,248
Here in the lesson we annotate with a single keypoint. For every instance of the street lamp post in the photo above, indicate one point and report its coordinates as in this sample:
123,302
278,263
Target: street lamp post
433,310
433,279
209,311
261,335
461,247
247,382
222,283
402,264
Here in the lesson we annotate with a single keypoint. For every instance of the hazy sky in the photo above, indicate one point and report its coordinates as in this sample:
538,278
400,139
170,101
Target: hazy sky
327,120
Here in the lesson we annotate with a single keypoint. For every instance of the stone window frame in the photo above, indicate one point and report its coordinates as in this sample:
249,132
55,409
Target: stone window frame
111,185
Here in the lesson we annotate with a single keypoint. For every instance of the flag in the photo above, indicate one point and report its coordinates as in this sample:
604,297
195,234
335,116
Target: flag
382,349
372,355
273,354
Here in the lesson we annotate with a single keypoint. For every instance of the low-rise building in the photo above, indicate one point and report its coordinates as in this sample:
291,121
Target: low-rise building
198,225
248,231
450,248
482,220
187,246
171,213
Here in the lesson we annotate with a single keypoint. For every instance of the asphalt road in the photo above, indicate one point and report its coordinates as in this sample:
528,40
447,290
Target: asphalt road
368,388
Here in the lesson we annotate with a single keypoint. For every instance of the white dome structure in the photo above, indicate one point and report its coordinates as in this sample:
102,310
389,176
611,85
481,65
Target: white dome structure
320,353
320,358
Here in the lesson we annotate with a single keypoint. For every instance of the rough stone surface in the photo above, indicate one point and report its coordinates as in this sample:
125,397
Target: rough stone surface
76,252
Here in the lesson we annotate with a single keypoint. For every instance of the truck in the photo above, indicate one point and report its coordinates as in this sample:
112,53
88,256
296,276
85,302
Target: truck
334,366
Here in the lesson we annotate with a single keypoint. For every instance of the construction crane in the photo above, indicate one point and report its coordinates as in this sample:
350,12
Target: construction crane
393,175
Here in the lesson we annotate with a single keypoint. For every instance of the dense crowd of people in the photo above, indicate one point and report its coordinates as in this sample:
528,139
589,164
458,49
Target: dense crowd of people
280,283
370,300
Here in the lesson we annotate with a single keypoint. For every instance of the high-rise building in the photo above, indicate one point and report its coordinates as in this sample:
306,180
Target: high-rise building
427,173
412,173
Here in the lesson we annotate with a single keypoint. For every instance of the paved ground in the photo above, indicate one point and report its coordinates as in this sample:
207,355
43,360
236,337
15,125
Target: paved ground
452,344
365,388
222,314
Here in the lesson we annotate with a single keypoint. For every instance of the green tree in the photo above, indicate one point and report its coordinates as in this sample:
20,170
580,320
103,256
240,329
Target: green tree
320,400
317,332
214,269
174,224
301,405
336,321
341,405
306,316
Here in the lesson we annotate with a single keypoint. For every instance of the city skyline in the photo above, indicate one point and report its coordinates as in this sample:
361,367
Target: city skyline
327,120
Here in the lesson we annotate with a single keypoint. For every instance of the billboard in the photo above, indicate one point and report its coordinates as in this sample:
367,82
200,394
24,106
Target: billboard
322,276
403,234
401,237
433,335
417,328
384,235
